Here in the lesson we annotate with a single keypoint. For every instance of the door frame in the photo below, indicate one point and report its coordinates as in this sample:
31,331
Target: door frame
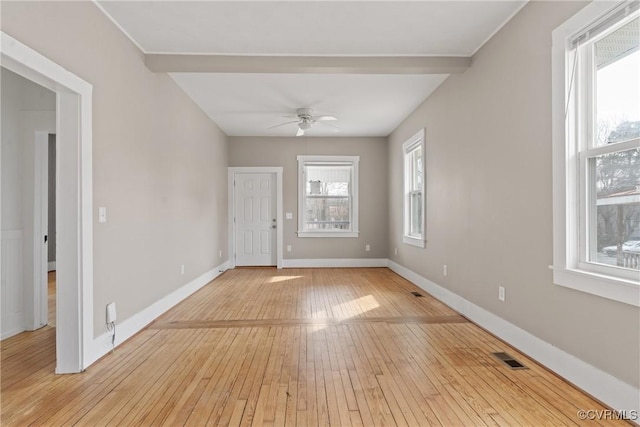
74,207
232,171
40,229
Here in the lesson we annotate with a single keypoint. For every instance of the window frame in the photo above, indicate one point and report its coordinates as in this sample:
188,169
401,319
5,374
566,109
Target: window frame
409,146
310,160
571,210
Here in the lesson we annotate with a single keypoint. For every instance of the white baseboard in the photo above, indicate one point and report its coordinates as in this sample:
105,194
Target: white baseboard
601,385
51,266
9,334
334,263
134,324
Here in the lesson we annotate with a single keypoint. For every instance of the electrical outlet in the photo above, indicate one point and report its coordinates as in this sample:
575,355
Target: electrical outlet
111,312
395,251
501,293
182,269
288,248
367,248
220,253
444,269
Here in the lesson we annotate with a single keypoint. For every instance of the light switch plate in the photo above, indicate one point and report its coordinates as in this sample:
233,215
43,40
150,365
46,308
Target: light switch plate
288,215
102,214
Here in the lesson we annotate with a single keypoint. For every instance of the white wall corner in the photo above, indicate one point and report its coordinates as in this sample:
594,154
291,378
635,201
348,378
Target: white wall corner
134,324
335,263
601,385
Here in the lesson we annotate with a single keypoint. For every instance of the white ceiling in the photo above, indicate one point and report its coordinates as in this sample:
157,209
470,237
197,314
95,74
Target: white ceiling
371,105
366,105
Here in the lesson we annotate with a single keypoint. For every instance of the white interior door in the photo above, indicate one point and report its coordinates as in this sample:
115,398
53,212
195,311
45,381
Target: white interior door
255,219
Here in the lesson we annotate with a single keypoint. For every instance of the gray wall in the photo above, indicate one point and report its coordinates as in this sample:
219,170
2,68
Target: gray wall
489,197
372,187
159,164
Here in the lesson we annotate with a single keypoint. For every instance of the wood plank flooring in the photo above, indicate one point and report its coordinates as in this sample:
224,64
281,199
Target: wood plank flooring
295,347
51,291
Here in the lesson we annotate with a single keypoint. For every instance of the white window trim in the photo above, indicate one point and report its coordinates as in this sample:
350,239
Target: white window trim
568,271
407,147
354,160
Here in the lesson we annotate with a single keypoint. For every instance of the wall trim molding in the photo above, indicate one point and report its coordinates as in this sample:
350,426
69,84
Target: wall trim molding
601,385
334,262
11,332
101,345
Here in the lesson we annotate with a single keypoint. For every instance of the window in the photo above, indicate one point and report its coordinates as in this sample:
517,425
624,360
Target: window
596,119
414,200
328,196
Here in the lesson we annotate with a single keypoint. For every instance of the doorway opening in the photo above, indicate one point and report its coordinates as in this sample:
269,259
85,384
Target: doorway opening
28,116
28,203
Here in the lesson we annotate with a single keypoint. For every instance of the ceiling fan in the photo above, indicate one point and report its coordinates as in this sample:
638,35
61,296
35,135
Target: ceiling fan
305,119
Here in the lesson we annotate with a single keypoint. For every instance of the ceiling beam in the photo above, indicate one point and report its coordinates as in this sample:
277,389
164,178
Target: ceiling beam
172,63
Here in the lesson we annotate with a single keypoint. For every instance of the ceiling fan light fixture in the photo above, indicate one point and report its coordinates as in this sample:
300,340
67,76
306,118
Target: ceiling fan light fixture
306,120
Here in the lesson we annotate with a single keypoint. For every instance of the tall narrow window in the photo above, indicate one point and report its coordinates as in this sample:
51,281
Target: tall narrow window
414,185
328,196
611,157
598,137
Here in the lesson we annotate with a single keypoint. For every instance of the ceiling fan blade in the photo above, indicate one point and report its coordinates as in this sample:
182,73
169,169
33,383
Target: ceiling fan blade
300,132
282,124
329,124
325,118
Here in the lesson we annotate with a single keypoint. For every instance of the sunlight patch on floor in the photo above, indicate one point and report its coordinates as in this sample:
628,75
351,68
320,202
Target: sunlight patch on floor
276,279
356,306
346,310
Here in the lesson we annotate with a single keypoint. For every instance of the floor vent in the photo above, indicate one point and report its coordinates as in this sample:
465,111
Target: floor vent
508,360
416,294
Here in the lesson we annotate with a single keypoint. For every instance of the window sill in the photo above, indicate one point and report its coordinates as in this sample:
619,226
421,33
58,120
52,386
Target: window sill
328,234
613,288
413,241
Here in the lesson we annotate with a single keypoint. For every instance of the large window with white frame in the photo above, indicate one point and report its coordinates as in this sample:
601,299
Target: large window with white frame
597,151
328,196
414,187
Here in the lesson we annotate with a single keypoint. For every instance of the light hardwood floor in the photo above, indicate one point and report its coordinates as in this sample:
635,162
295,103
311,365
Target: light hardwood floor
295,347
51,291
